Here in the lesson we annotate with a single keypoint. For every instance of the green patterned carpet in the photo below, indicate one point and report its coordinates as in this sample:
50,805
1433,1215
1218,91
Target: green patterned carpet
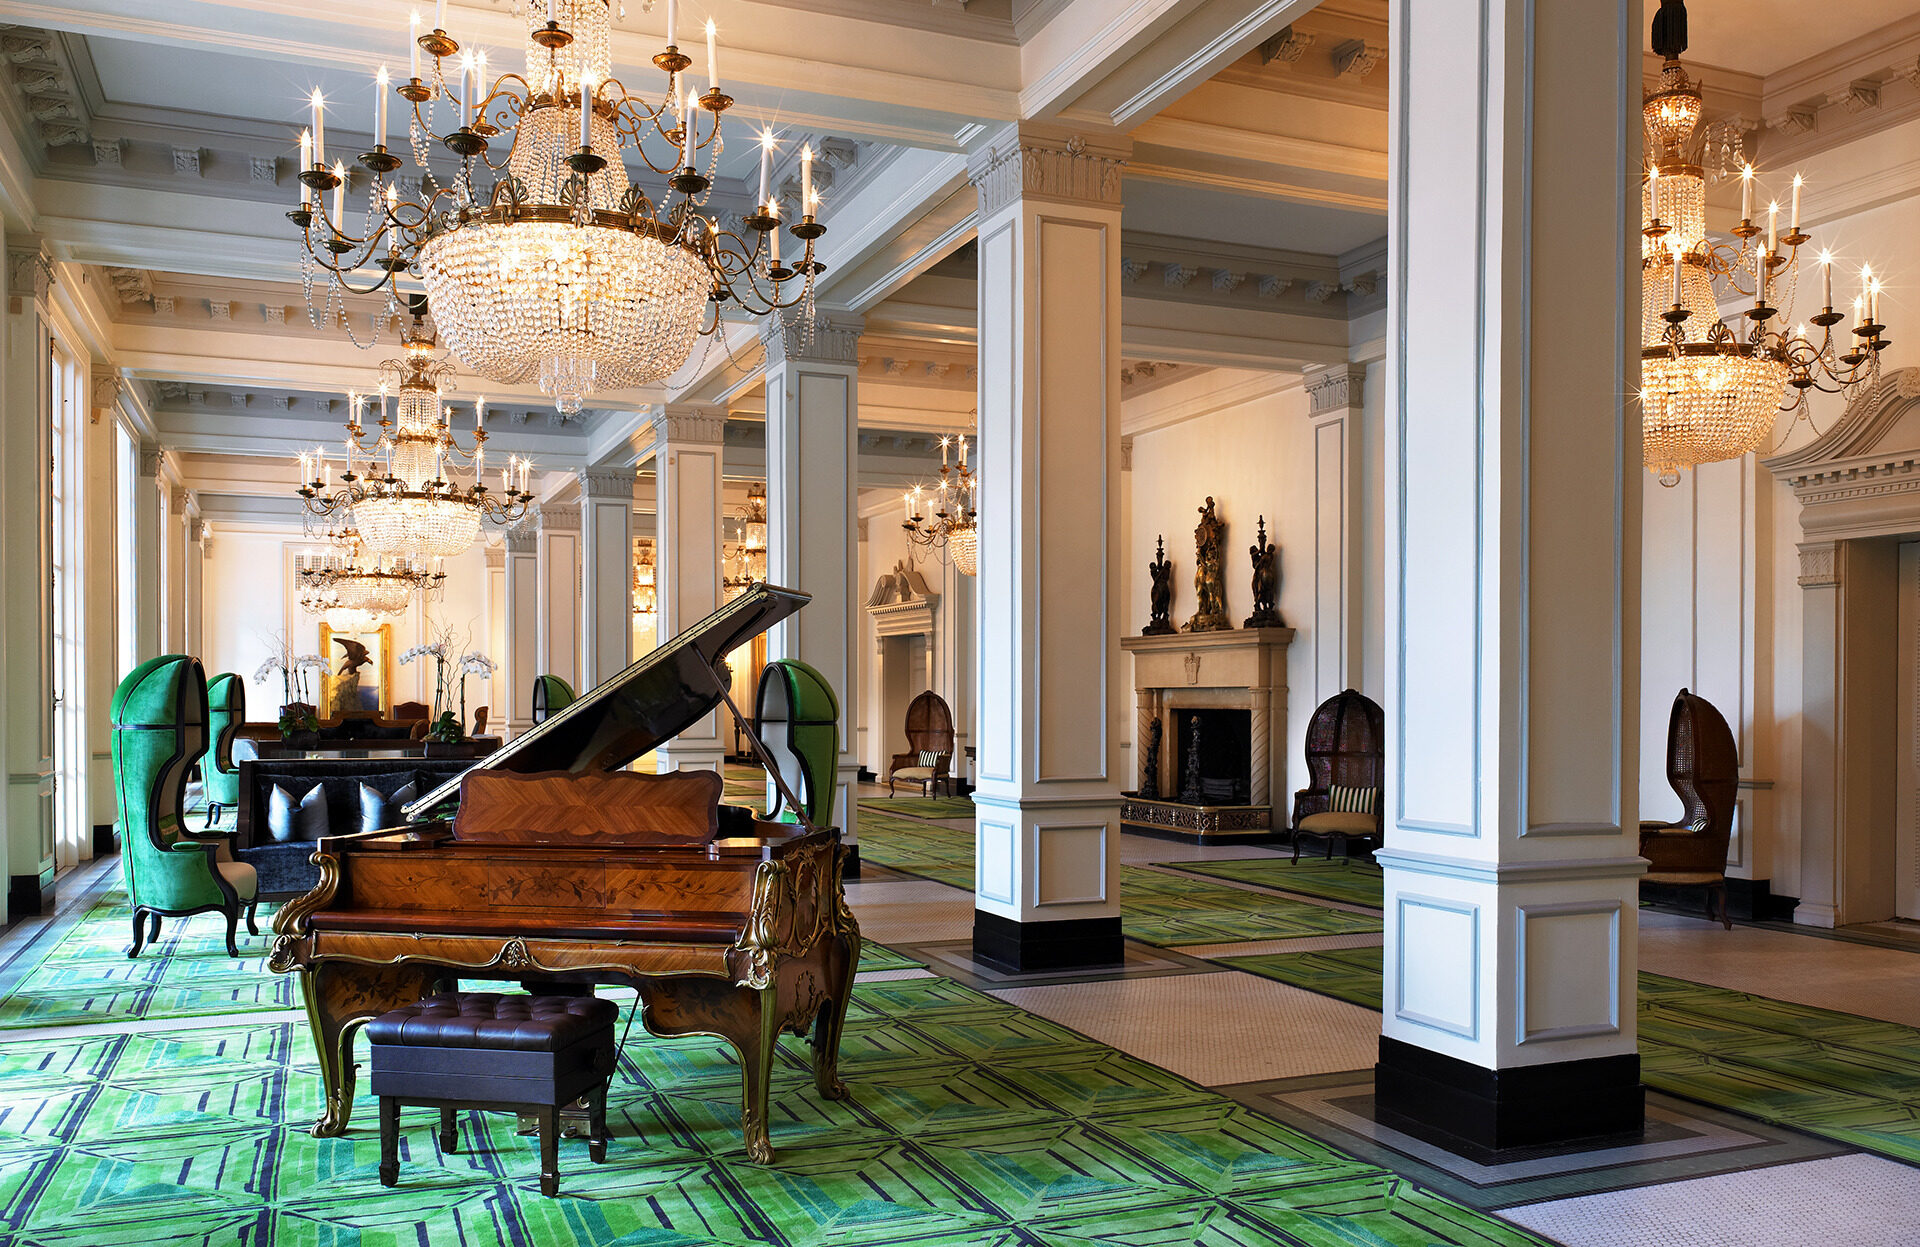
1334,880
972,1122
86,976
1851,1079
1155,907
919,807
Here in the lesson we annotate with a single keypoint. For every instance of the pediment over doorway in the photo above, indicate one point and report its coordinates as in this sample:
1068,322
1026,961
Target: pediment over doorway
901,604
1861,477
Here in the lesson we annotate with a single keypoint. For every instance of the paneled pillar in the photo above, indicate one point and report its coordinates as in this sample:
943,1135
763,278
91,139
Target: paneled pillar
26,568
101,569
1512,503
499,714
557,622
812,434
1053,704
148,588
195,590
688,452
520,624
1334,395
606,579
177,538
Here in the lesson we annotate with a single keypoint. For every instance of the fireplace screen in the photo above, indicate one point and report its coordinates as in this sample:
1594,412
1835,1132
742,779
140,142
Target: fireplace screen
1213,756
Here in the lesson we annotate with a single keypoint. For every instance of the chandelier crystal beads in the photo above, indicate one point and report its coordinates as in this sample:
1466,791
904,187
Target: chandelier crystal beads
1710,390
352,591
409,504
563,273
952,527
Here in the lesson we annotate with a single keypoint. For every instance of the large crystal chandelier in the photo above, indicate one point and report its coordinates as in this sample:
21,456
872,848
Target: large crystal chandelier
745,561
646,598
406,502
1709,390
951,529
562,272
353,591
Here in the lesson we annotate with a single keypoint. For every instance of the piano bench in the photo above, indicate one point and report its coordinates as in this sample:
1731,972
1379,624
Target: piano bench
483,1050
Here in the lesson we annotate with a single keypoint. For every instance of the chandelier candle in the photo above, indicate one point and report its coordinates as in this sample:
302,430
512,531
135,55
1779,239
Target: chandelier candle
766,168
319,128
1746,192
380,110
1795,227
413,45
306,162
713,60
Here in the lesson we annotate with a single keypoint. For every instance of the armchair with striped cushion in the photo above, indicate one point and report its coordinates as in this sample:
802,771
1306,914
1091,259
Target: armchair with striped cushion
929,754
1346,768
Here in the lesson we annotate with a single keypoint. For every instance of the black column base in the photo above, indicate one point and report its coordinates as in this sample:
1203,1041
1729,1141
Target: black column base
1473,1111
103,840
1039,947
28,895
850,864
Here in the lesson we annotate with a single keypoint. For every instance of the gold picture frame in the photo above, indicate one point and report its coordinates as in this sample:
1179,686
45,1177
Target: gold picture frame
376,700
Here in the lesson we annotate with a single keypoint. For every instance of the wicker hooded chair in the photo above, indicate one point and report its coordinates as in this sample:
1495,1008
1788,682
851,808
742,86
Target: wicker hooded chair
1703,765
1346,770
929,756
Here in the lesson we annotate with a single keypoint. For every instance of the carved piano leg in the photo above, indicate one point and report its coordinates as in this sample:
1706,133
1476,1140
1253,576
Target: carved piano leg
341,998
843,957
748,1021
756,1076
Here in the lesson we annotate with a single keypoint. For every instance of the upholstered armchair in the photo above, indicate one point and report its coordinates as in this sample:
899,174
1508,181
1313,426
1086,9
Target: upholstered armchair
1703,766
1346,770
219,773
479,722
551,695
159,729
929,755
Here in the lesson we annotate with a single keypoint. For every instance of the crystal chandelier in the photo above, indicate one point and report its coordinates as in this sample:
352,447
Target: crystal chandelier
407,504
646,602
353,592
745,562
1709,390
951,530
562,272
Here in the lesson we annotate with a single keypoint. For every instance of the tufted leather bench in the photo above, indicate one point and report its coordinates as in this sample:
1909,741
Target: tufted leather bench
483,1050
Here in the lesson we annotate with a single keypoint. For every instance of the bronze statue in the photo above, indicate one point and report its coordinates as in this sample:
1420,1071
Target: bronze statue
1150,764
346,681
1208,586
1161,595
1266,581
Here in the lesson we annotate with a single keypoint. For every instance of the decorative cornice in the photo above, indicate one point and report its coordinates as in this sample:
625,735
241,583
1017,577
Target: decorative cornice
1287,47
1019,165
607,483
558,517
1819,566
152,460
496,556
823,339
523,538
1335,387
1356,58
48,94
690,426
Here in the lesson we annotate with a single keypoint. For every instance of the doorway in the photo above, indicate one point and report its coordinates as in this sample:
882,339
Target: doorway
1906,897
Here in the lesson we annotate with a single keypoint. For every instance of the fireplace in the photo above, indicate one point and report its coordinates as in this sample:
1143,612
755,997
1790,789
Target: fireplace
1211,732
1213,756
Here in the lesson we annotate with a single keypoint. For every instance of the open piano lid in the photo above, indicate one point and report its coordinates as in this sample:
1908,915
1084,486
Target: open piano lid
654,699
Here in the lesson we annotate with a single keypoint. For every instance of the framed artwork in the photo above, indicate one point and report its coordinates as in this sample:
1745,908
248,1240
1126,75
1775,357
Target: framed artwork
359,677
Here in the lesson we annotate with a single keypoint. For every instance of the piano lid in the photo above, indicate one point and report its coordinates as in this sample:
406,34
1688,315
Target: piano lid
654,699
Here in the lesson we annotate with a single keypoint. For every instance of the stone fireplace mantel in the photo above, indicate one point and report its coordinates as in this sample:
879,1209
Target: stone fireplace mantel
1241,669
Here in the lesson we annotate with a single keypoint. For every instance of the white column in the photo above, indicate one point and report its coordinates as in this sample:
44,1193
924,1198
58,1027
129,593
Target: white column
1513,497
179,506
812,434
495,696
688,452
102,653
148,588
1053,704
606,579
557,622
195,588
519,653
26,564
1334,395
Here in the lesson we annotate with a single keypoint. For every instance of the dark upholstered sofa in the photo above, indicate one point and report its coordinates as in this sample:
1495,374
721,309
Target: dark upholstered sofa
283,866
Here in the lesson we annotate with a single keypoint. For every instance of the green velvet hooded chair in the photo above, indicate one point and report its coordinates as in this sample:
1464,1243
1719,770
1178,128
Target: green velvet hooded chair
219,774
159,729
551,695
798,718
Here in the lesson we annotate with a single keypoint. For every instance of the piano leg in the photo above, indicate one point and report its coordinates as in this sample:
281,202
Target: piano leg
342,997
842,957
747,1019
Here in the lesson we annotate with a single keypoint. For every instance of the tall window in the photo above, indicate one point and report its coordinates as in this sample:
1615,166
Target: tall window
72,825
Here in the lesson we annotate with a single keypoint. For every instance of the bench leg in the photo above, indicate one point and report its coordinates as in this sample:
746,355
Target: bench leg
597,1127
449,1131
389,1141
550,1150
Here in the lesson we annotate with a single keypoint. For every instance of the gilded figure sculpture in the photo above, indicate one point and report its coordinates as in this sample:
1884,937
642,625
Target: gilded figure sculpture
1266,581
1208,536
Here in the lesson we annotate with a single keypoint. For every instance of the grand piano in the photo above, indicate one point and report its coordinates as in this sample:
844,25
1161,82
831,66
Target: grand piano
549,864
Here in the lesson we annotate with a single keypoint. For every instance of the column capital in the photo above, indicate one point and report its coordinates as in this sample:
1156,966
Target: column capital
29,269
1819,564
1331,387
496,556
826,338
558,517
1024,161
696,426
1126,454
860,528
152,459
523,537
607,483
106,384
